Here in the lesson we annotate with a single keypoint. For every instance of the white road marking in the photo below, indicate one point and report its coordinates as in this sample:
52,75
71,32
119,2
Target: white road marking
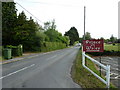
17,71
36,55
51,57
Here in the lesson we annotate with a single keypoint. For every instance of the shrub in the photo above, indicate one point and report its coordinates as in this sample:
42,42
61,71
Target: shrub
114,44
109,53
49,46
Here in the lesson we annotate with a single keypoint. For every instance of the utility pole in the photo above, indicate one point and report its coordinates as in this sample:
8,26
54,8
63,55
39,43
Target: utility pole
84,29
84,21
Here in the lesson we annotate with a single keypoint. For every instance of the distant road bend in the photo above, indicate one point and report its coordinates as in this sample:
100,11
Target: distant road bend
46,70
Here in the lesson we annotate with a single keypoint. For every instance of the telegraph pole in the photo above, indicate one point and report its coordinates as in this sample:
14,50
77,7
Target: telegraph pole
84,21
84,29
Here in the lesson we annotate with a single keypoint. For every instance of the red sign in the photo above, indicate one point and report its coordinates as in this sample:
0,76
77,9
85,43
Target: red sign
93,45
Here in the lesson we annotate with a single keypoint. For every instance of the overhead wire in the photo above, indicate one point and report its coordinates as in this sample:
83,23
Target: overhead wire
51,3
30,13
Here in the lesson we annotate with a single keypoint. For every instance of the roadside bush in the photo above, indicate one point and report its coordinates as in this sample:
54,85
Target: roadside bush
108,53
113,43
49,46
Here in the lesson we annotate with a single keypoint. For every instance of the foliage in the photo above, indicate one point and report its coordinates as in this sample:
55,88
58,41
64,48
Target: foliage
87,36
26,32
9,19
50,46
50,25
73,35
21,30
113,39
53,34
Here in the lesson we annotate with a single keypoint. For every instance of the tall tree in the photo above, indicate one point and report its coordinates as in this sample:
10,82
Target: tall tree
87,36
50,31
50,25
113,39
46,26
26,32
53,34
102,38
9,19
21,30
73,35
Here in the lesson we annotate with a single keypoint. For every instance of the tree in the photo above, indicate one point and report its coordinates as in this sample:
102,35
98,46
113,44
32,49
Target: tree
51,32
9,19
22,30
73,35
28,33
66,40
102,38
113,39
54,36
80,40
46,26
50,25
87,36
106,40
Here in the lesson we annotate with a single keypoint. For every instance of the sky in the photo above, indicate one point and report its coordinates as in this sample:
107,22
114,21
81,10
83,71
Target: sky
101,15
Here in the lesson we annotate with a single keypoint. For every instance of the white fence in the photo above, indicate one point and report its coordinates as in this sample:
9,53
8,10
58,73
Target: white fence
107,69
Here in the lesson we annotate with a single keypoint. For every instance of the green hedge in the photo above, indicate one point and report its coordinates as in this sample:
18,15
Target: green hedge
49,46
44,47
106,52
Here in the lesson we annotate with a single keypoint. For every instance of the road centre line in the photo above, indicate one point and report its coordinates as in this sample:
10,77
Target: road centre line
17,71
51,57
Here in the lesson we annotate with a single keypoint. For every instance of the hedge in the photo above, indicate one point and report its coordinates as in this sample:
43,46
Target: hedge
49,46
105,53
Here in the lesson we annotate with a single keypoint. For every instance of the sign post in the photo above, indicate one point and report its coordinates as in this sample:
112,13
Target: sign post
93,45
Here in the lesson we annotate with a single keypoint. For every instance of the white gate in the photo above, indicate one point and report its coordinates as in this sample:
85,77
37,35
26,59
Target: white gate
107,69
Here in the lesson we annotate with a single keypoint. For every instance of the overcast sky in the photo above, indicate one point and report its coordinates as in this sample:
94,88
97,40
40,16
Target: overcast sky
101,15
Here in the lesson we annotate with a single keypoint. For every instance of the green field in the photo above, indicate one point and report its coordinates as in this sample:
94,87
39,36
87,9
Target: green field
110,47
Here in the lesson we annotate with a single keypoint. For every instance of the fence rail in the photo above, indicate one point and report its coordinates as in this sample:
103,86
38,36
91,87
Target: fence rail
107,69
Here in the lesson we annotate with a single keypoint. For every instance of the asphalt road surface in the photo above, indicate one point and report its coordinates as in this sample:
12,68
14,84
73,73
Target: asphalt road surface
45,70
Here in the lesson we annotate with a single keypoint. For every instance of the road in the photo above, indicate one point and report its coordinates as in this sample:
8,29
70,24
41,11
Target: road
45,70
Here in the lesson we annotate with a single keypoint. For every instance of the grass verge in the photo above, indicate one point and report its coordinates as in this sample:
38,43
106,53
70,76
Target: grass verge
83,77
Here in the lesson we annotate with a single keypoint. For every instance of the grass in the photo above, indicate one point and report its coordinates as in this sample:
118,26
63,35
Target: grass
110,47
0,58
83,77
